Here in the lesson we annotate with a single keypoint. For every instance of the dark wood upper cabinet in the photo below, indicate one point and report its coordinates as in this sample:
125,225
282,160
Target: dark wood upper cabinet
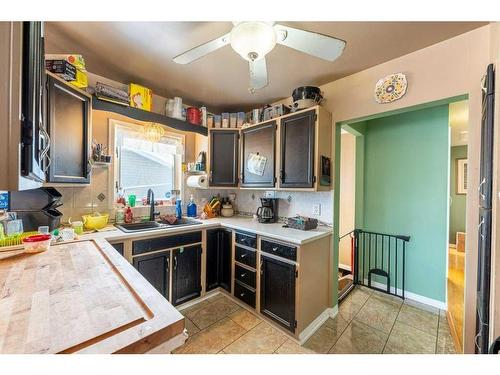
186,274
218,272
156,270
259,141
68,120
224,157
277,291
297,150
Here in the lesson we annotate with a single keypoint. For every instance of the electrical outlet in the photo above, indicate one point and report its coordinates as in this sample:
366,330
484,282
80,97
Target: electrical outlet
316,209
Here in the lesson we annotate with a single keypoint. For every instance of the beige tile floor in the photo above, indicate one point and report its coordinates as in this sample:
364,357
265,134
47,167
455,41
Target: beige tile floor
368,322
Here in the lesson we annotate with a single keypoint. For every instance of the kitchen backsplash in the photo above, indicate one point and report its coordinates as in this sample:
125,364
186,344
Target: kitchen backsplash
78,201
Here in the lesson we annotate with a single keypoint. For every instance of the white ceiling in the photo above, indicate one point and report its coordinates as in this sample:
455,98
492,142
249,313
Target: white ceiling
142,52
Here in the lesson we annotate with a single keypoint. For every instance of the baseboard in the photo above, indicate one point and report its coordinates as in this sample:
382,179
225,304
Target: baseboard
330,312
199,299
345,267
413,296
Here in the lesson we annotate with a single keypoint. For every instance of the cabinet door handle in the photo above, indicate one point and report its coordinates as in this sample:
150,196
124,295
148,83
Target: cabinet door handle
175,262
168,264
480,189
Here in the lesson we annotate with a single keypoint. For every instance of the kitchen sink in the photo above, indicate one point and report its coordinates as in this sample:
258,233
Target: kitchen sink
138,227
151,225
181,222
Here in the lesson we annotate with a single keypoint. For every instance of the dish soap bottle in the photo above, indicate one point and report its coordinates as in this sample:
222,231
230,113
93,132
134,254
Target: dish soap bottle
191,207
178,209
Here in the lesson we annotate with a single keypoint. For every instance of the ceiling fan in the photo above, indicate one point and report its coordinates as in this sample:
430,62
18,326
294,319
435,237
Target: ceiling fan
252,40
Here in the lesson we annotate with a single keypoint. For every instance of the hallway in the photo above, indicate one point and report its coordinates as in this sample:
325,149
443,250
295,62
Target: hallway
456,293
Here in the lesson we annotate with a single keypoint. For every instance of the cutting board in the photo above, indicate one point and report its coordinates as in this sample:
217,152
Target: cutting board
64,299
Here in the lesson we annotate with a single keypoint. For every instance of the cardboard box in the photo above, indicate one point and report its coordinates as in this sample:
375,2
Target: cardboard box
81,80
62,68
140,97
76,60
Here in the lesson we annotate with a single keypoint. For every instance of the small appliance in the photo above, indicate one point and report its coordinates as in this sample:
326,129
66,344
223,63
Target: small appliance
268,211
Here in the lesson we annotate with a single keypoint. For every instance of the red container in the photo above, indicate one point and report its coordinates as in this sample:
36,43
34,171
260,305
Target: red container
193,115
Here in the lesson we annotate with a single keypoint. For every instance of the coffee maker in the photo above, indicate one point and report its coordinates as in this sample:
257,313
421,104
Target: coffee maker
268,211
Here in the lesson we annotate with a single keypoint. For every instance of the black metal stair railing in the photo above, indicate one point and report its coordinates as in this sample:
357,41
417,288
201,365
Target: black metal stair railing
379,261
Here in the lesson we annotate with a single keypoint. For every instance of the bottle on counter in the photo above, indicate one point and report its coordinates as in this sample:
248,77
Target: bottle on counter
191,207
119,214
129,216
178,209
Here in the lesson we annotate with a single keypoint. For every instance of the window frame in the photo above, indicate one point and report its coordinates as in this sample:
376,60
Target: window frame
113,177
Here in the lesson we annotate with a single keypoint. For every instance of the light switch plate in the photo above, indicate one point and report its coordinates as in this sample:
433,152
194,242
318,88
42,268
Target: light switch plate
317,209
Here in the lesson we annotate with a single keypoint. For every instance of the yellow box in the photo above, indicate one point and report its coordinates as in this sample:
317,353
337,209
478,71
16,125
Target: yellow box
81,80
140,97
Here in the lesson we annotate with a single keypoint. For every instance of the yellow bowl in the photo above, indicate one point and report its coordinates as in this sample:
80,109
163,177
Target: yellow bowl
95,222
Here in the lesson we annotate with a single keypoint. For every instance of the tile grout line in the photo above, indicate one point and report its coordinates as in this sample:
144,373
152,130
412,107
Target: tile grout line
239,337
437,333
393,324
348,323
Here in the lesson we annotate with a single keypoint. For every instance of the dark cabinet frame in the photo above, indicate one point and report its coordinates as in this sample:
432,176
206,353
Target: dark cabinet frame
54,84
214,179
219,259
286,295
246,181
285,174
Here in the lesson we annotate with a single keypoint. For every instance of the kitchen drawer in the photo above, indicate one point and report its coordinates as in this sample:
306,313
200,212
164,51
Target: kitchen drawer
246,239
244,275
244,294
284,251
167,242
245,256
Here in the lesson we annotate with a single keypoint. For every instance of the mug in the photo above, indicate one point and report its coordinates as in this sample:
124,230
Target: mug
77,226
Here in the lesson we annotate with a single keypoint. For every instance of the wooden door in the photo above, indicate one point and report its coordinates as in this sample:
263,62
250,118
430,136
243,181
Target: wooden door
259,141
156,269
69,129
224,158
297,150
277,291
186,274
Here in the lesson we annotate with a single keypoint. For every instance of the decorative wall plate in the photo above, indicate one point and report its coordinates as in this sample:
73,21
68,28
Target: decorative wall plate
390,88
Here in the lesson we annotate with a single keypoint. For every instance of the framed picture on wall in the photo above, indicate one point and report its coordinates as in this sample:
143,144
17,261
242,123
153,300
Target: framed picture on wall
461,175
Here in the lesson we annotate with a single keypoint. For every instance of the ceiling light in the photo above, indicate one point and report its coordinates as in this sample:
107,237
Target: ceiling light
253,40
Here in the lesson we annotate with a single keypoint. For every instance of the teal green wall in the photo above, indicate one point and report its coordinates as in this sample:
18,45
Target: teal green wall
458,201
406,158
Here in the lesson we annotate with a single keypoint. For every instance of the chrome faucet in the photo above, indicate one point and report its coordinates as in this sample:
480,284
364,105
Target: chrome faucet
151,202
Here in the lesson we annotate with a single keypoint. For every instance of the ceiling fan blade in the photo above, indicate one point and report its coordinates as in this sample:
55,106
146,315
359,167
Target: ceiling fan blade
323,46
202,50
258,74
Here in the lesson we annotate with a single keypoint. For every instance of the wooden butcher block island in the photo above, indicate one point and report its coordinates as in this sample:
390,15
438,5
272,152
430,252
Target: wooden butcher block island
81,297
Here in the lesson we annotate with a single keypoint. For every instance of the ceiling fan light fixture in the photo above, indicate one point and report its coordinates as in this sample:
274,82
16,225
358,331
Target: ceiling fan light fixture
253,40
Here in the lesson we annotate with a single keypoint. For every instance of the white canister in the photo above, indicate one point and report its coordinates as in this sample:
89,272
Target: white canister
169,107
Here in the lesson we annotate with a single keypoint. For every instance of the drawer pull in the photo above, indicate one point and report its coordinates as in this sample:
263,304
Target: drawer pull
275,248
242,294
243,275
243,256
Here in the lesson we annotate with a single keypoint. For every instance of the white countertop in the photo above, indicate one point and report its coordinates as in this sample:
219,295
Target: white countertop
275,231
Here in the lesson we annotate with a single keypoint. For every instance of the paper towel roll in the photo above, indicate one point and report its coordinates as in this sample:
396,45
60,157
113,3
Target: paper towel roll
199,181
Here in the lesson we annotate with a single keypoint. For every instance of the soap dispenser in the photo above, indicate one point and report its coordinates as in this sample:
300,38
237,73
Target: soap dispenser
191,207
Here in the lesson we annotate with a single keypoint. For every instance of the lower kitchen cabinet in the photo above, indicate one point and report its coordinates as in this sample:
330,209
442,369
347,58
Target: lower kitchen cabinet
218,272
156,269
120,247
277,291
186,274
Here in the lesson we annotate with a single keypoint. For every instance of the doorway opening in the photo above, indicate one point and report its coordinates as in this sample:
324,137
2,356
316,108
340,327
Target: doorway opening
458,119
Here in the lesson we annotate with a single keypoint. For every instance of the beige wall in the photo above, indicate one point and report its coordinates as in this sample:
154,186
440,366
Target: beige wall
347,195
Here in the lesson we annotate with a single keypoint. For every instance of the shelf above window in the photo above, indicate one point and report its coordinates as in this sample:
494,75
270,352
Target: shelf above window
147,116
